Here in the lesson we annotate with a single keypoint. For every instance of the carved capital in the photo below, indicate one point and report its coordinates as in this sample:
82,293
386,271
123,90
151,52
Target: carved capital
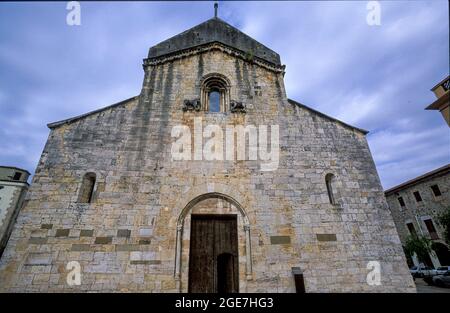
179,227
246,227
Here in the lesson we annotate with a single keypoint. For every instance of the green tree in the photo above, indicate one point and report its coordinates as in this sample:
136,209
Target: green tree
420,245
444,220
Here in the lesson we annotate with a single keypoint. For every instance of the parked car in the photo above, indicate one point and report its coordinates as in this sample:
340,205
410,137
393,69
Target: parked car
442,280
422,271
442,269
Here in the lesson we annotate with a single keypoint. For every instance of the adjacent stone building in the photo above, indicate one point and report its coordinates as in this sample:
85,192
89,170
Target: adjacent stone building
13,188
112,194
442,104
416,205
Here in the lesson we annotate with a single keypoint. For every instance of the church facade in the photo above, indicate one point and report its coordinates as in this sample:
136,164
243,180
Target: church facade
140,196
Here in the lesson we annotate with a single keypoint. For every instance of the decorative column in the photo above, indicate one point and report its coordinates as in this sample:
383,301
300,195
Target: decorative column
178,257
248,263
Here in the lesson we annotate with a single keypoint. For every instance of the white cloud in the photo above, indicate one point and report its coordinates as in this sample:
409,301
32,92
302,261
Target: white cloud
404,153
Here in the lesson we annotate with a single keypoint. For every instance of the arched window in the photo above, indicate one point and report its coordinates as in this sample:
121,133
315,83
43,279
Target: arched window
330,181
214,100
87,188
215,93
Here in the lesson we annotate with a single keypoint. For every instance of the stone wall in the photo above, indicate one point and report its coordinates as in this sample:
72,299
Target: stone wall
126,240
416,212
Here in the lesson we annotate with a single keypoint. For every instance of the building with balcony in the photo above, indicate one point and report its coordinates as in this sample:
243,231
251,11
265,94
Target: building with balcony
415,206
441,90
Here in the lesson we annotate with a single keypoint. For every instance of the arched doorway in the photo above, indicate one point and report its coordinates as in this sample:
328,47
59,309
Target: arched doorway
228,252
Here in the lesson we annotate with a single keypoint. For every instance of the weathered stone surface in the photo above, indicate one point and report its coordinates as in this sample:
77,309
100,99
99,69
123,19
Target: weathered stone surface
38,259
145,232
62,232
103,240
280,240
124,233
86,233
37,240
326,237
139,187
150,262
127,247
81,247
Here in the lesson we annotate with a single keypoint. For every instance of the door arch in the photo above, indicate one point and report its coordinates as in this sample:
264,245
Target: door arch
183,235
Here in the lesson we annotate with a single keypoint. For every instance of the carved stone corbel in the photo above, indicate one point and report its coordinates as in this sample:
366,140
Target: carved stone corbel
191,105
237,107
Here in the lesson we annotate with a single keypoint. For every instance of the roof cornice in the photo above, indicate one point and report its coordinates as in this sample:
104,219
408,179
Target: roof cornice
216,45
14,168
440,83
14,183
440,103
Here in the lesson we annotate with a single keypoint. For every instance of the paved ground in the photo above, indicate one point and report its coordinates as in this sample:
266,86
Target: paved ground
422,287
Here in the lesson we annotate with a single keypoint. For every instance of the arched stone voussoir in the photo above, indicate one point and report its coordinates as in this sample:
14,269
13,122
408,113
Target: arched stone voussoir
210,190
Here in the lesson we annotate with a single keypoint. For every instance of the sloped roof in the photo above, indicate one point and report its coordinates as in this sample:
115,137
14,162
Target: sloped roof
365,132
214,30
75,118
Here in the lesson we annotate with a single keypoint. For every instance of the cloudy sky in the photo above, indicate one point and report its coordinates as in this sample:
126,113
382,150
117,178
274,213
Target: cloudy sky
374,77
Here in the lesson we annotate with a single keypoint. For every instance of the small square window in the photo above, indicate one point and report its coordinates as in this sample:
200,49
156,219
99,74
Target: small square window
417,196
17,175
436,190
400,200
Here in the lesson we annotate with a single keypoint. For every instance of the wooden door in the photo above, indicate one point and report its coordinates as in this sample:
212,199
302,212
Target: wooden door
213,258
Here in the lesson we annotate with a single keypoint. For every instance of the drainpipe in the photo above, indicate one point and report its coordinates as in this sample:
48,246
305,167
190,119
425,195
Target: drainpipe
420,225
